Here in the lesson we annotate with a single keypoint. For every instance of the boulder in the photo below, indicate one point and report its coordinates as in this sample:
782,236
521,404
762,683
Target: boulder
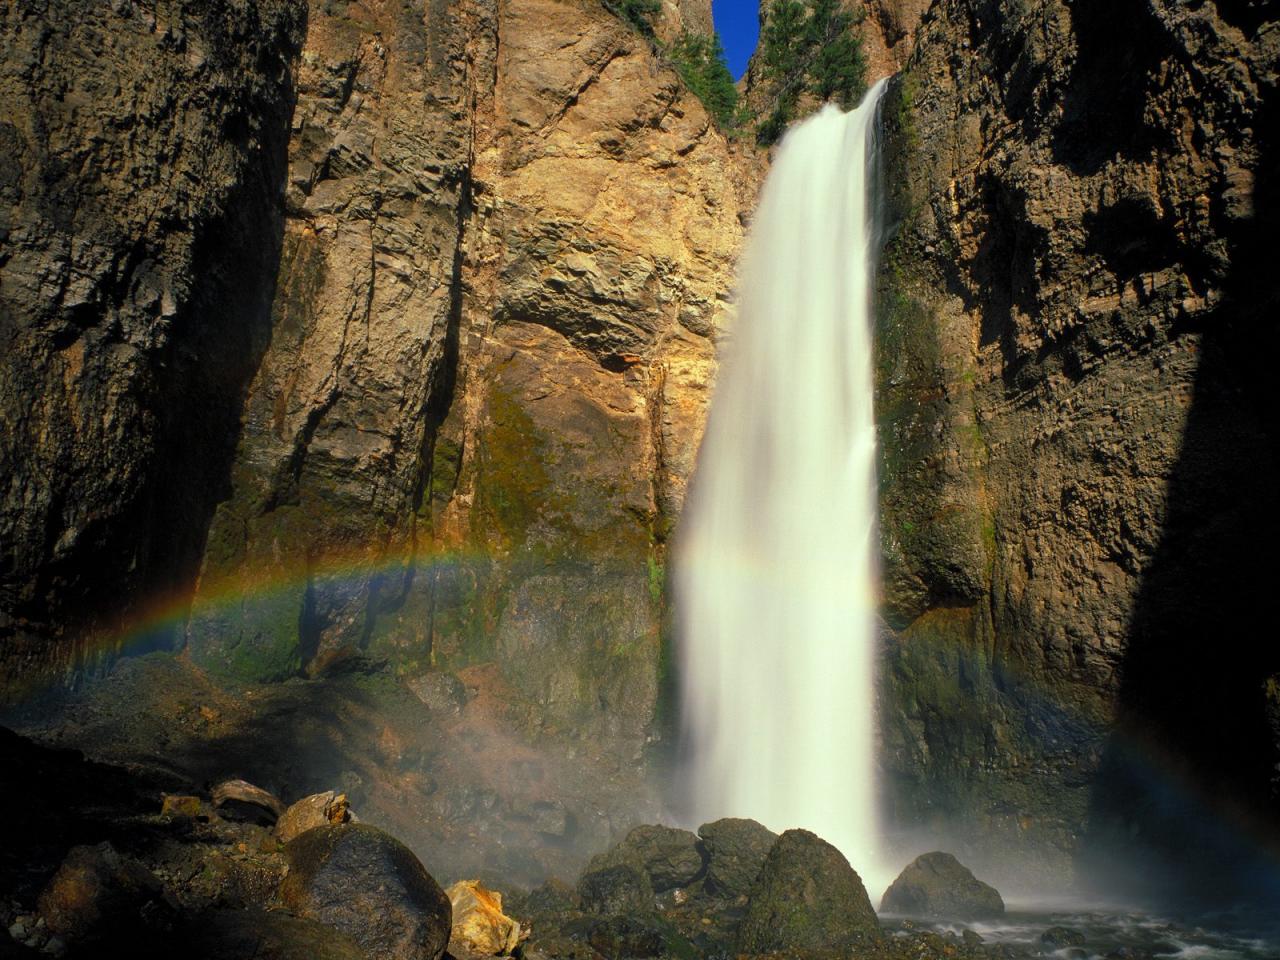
806,897
370,886
735,850
669,857
317,810
939,885
621,888
97,892
479,925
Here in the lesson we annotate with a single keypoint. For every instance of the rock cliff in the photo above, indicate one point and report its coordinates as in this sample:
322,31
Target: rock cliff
142,161
1079,451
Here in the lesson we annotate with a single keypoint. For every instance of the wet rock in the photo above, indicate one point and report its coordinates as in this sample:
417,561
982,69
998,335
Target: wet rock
668,857
95,892
370,886
938,885
806,897
736,850
317,810
1057,937
618,889
479,925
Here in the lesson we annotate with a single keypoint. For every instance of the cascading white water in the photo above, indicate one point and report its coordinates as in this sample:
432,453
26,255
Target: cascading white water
775,570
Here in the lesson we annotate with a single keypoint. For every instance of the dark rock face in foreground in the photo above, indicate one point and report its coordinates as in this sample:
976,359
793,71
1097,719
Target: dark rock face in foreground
1079,437
138,154
938,885
371,887
806,897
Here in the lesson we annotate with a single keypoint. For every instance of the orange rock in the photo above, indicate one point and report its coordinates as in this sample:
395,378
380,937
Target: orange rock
479,924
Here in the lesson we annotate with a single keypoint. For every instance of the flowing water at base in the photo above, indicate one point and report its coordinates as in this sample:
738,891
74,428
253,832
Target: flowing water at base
774,570
1112,934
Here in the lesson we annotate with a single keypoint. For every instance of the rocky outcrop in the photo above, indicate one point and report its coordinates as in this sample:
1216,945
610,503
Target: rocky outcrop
142,163
1078,458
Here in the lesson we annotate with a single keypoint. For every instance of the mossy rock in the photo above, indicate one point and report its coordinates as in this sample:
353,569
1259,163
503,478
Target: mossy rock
806,897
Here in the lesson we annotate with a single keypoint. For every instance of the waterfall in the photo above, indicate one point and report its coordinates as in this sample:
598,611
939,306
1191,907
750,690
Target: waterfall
775,562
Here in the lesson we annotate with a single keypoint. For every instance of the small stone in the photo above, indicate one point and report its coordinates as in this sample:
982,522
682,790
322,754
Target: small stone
479,924
55,947
18,929
180,806
317,810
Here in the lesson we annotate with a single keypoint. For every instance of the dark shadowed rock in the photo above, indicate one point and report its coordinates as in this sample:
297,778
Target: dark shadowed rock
939,885
616,889
1056,937
96,893
262,935
668,857
806,897
371,887
736,850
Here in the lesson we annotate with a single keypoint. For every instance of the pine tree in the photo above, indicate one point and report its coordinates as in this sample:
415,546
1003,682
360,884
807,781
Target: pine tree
699,59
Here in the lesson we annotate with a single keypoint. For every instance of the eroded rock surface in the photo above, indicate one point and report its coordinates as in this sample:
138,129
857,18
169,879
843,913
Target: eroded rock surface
1076,457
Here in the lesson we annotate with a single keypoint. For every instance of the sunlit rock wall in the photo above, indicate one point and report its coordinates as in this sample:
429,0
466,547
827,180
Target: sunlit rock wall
509,245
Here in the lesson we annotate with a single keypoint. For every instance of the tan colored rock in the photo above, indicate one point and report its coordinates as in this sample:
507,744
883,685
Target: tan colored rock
241,791
317,810
180,806
479,925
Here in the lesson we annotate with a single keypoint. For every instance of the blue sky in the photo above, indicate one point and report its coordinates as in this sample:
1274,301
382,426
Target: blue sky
738,23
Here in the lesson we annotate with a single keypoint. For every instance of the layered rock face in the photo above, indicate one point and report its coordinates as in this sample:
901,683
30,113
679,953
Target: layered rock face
1079,451
506,254
142,160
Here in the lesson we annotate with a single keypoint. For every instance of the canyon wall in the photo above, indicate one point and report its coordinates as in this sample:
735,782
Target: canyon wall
1078,443
142,161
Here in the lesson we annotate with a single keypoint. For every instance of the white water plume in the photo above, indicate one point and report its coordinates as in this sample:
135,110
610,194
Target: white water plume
775,569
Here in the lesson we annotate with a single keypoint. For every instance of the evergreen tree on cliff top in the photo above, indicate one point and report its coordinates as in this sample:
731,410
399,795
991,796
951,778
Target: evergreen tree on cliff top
809,46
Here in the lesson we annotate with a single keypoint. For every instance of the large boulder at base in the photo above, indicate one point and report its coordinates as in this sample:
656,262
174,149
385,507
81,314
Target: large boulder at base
621,888
479,925
806,897
97,893
736,850
670,858
369,885
939,885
